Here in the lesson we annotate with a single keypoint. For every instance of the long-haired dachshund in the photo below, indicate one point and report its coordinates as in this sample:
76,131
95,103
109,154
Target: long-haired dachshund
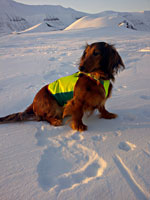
73,95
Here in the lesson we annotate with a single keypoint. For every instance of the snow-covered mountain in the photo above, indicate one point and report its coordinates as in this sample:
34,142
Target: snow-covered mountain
18,17
136,21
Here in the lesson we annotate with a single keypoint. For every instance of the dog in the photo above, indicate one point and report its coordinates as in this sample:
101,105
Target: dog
91,87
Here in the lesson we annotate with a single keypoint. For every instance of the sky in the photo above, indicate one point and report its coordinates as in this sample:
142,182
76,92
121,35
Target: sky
95,6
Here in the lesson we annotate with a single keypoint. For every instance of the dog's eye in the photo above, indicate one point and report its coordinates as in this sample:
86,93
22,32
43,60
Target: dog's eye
95,53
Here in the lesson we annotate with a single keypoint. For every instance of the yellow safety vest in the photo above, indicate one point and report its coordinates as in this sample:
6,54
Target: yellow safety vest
63,88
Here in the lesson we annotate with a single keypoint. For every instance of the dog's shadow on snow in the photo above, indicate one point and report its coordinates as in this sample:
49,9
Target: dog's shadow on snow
127,119
55,139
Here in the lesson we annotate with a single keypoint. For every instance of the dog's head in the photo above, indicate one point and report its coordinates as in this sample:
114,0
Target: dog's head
103,58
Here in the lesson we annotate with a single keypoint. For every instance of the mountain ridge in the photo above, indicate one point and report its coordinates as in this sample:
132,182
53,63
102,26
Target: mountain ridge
139,21
20,18
16,16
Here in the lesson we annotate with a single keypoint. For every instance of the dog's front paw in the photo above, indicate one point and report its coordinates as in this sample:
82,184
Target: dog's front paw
78,126
108,115
55,121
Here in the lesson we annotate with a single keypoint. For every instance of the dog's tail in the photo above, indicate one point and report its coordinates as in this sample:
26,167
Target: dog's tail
27,115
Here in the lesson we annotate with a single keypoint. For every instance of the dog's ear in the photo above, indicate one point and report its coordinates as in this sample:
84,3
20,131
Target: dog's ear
111,61
121,64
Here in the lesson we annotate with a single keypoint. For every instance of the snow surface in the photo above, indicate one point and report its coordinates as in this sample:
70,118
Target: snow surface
111,160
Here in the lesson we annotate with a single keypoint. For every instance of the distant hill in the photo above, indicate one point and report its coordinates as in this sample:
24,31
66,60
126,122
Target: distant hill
136,20
19,17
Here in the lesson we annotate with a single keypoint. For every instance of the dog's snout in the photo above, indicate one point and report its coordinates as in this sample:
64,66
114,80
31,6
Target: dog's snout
82,68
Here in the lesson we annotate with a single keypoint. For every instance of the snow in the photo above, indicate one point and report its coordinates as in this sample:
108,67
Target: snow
16,17
19,17
111,159
96,21
126,146
137,21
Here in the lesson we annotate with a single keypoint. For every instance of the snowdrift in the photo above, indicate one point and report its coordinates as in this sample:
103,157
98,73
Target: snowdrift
46,27
136,21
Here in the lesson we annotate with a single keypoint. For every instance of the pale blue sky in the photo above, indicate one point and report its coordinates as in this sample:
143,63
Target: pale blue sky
95,6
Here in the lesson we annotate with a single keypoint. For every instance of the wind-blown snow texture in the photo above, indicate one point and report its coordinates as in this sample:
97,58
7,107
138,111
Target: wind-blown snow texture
109,161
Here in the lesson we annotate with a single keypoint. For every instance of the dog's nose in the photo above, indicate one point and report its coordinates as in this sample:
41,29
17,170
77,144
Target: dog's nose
82,68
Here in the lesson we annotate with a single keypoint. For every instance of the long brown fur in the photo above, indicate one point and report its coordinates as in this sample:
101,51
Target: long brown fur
103,61
99,59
